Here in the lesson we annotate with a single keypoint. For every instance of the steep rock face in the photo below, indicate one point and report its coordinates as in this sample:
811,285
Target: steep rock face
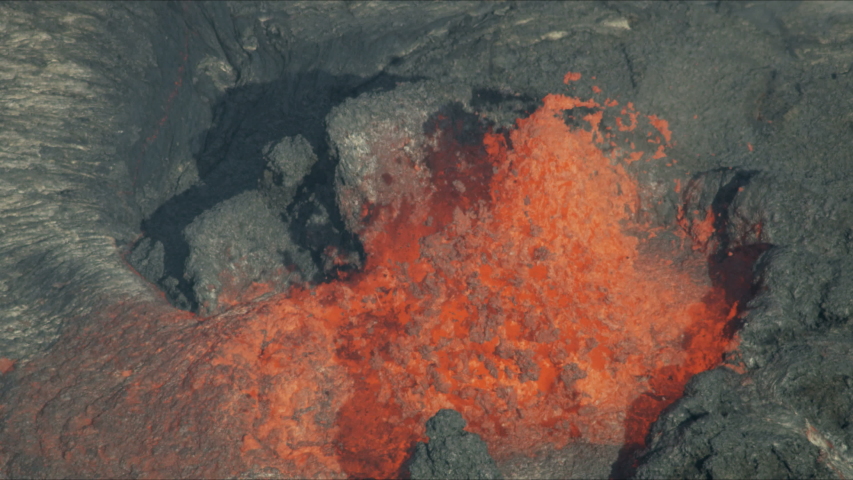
67,127
165,136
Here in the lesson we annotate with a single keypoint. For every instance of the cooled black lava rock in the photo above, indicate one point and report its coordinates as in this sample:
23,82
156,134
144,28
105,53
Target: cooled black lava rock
451,452
791,420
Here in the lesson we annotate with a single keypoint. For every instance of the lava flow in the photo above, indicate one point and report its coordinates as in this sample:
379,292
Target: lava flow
507,279
501,283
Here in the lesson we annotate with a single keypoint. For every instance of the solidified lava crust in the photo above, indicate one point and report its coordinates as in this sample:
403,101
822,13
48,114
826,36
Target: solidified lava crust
510,280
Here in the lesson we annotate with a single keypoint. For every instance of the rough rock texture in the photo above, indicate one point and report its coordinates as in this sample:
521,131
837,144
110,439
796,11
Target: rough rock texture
579,461
223,271
451,451
288,162
372,126
123,126
65,161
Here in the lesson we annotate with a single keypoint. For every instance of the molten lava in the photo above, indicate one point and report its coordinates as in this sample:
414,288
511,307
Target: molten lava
509,281
507,277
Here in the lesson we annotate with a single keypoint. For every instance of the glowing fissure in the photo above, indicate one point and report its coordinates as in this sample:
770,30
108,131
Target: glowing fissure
502,284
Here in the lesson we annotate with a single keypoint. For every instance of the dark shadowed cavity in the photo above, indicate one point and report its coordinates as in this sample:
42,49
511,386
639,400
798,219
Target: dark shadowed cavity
232,160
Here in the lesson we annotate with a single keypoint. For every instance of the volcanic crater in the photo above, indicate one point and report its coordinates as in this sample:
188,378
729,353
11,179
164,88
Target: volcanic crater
308,257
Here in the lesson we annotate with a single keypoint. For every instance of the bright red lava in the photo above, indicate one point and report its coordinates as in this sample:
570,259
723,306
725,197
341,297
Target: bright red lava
501,282
506,278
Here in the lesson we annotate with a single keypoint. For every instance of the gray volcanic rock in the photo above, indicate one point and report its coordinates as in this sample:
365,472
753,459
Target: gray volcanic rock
394,121
787,420
288,162
451,451
576,461
66,162
237,243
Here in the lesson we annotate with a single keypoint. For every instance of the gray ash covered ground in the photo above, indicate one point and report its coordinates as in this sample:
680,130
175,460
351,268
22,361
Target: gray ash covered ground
188,141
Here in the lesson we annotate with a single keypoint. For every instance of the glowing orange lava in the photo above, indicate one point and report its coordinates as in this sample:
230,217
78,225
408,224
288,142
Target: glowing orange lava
508,281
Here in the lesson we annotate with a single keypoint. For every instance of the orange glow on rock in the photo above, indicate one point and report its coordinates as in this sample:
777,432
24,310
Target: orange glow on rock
504,284
571,77
662,126
6,365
